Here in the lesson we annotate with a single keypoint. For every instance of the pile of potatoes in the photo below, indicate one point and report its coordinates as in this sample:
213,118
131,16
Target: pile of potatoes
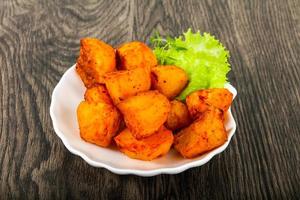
130,100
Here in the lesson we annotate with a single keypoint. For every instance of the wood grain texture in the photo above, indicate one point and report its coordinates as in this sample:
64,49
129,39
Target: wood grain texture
39,40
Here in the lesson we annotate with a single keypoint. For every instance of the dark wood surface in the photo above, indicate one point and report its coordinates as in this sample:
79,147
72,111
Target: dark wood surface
39,41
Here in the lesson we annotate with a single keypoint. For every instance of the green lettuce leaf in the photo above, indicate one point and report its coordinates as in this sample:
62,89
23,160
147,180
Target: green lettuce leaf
203,57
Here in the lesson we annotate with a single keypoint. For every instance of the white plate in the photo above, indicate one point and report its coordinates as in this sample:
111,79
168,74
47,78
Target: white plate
66,96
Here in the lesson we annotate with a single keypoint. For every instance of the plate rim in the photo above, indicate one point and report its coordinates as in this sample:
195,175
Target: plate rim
145,173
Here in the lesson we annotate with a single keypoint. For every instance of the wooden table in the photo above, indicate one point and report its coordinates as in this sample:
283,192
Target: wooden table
39,41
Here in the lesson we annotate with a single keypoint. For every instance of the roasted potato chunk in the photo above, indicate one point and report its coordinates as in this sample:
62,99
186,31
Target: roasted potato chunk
199,101
125,83
98,122
168,80
96,58
148,148
205,134
145,112
135,55
178,117
96,94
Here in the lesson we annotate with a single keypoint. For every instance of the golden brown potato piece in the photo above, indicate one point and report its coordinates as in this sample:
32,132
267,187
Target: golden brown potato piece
169,80
96,94
205,134
145,113
96,58
178,117
125,83
148,148
199,101
98,122
135,55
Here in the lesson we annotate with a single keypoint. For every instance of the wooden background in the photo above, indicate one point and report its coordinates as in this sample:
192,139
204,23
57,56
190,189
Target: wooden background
39,40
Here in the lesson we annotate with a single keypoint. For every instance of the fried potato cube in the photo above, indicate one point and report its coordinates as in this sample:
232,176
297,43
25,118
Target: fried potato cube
199,101
133,55
96,58
149,148
145,113
178,117
205,134
169,80
98,122
125,83
96,94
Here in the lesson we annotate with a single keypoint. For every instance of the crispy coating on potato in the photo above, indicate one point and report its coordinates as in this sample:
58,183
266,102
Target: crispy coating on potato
169,80
199,101
156,145
96,94
178,117
133,55
125,83
205,134
88,81
96,58
98,122
145,113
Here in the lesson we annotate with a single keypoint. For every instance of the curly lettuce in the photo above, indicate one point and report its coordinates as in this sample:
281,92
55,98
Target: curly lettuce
203,57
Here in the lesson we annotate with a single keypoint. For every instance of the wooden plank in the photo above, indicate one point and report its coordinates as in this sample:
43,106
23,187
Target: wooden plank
40,40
